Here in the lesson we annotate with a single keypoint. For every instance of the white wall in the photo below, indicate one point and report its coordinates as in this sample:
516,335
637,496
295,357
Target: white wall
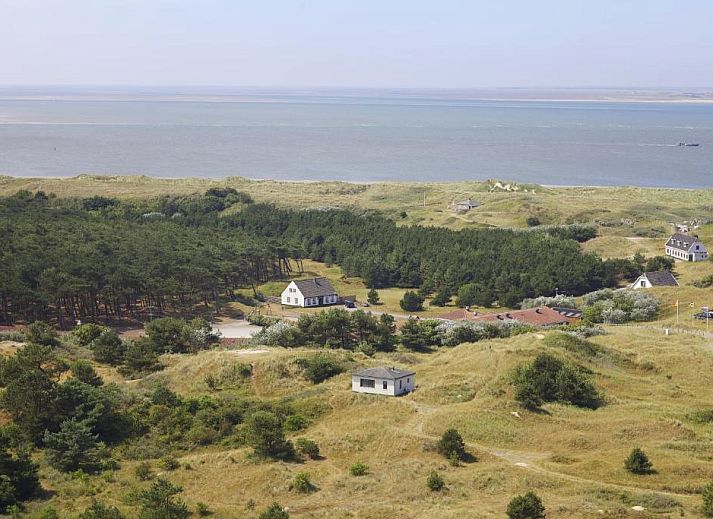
393,387
638,283
291,296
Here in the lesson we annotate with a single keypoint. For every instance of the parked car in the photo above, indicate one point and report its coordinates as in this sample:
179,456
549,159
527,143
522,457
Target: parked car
349,304
704,315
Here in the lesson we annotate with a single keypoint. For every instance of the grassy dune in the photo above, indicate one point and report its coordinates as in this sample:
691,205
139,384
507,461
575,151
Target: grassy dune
573,458
621,211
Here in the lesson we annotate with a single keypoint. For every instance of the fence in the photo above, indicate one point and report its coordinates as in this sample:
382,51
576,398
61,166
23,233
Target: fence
672,329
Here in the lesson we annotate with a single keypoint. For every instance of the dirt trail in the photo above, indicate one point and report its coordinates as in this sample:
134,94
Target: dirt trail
526,460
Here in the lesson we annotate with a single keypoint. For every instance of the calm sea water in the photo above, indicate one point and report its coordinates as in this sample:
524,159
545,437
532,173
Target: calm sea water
360,138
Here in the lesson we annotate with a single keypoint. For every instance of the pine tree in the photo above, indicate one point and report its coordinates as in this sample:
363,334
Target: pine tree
638,462
373,297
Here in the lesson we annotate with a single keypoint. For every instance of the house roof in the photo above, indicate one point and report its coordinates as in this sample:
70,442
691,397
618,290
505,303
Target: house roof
468,203
457,315
572,313
315,287
542,316
381,372
682,241
662,278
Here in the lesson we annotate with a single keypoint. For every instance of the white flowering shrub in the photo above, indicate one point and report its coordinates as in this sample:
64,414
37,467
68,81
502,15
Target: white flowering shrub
559,300
278,334
616,307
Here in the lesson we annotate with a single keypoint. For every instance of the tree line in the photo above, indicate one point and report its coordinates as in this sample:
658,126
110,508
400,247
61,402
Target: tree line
500,265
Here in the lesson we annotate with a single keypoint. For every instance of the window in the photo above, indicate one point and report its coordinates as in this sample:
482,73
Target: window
643,282
365,382
408,380
287,299
385,384
401,383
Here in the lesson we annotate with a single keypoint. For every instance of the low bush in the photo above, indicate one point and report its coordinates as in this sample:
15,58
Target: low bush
435,482
411,302
274,511
143,471
359,469
307,448
302,483
528,506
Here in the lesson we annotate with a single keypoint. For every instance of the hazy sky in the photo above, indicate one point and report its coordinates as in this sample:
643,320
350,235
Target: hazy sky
363,43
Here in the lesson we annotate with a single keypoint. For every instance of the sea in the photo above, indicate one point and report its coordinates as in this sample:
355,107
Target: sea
354,136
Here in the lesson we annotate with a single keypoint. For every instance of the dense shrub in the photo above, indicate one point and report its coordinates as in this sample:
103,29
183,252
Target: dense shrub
475,294
435,482
262,320
264,433
528,506
41,333
615,307
85,372
307,448
281,333
302,483
638,462
319,367
707,508
274,511
108,348
86,333
359,469
143,471
411,302
548,379
18,475
372,297
560,300
98,510
451,445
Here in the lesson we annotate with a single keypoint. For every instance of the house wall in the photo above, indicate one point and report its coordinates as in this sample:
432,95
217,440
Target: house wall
291,296
395,387
642,282
698,250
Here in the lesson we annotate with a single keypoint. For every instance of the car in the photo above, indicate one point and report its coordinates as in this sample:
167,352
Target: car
349,304
704,315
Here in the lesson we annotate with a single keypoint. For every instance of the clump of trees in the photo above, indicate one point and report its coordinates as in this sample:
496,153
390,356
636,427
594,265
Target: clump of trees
333,328
549,379
18,474
619,306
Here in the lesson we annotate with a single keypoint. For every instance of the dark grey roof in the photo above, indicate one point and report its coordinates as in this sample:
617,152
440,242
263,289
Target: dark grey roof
662,278
315,287
574,313
389,373
681,241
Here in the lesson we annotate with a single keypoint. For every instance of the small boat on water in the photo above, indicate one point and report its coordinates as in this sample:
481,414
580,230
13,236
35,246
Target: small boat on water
688,144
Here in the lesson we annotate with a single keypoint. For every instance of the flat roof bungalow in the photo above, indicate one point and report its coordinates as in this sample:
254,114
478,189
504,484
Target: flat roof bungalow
383,381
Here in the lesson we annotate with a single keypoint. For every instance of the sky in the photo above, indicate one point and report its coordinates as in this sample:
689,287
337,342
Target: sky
358,43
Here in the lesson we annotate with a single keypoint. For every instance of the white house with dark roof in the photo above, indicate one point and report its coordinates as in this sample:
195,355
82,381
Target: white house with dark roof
663,278
686,248
309,292
383,381
466,205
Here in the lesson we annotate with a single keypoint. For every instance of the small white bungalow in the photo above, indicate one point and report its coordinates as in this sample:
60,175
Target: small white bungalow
466,205
686,248
309,292
663,278
383,381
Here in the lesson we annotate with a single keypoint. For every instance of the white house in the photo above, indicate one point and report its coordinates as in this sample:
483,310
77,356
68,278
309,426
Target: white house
663,278
309,292
686,248
383,381
466,205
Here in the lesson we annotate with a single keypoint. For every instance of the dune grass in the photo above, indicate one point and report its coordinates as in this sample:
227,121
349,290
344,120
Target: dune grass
573,458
